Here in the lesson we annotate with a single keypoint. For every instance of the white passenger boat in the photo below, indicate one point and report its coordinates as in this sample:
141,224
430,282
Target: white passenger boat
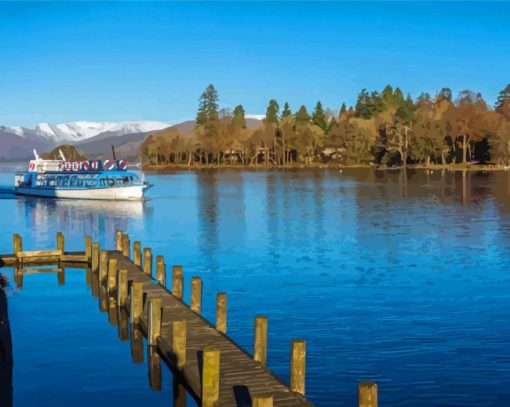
92,179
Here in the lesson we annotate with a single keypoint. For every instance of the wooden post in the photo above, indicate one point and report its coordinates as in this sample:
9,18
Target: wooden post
103,295
179,392
122,285
88,247
221,313
179,341
103,265
17,245
154,325
61,276
136,345
88,276
262,401
137,253
95,257
136,301
118,240
154,369
18,277
367,394
123,324
60,241
112,274
196,294
177,283
125,246
210,377
113,317
147,261
161,270
260,339
297,366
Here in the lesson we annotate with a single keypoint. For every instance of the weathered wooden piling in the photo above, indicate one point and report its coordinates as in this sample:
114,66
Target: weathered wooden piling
179,342
60,241
126,246
210,377
367,394
154,320
88,247
177,283
221,313
103,265
262,401
179,392
260,340
196,294
136,301
297,366
137,253
147,261
154,369
122,290
161,270
123,324
112,274
136,344
95,257
17,244
118,240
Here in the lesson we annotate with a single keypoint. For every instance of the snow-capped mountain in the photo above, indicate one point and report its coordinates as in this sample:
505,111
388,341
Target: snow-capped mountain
75,132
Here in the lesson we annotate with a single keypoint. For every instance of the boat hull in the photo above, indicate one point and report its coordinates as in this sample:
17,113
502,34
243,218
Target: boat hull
127,193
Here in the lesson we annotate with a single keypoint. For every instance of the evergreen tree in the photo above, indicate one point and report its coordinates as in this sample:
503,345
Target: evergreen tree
503,96
239,119
286,110
363,105
318,117
272,111
208,107
343,109
302,116
424,97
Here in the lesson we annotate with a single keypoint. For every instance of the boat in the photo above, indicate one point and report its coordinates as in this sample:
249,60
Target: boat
90,179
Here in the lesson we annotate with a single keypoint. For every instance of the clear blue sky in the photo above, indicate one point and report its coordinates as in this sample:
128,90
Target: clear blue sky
137,60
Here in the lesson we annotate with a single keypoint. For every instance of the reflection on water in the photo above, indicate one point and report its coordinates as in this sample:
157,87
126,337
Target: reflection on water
392,276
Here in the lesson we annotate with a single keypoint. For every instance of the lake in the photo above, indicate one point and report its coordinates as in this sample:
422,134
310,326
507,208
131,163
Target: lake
402,279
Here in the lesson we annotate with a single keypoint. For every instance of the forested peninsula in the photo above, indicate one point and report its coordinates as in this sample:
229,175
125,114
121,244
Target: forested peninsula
383,129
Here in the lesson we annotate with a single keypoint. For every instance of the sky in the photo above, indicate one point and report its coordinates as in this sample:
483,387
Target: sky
117,61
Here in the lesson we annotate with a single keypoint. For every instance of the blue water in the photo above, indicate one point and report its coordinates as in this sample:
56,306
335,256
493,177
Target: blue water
400,280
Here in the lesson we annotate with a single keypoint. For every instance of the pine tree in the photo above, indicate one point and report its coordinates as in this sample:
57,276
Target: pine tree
343,109
363,105
302,116
318,117
239,119
272,111
503,96
444,94
286,110
208,107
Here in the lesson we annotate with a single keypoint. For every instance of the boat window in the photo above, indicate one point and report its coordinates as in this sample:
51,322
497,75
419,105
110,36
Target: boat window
72,180
79,182
65,181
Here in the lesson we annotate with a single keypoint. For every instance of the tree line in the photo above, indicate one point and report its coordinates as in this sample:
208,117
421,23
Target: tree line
384,128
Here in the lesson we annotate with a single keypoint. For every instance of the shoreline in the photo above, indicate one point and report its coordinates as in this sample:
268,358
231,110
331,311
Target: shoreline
432,167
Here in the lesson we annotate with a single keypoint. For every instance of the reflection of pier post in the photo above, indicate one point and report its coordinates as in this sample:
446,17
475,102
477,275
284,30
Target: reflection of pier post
154,368
402,181
465,187
136,344
179,392
6,362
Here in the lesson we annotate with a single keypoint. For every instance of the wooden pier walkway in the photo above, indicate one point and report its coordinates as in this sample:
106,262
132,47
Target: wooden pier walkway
204,360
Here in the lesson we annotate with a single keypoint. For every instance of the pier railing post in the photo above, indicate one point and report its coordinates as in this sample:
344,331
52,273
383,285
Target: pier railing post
196,294
161,270
210,377
147,261
137,253
154,325
112,274
125,246
179,341
122,284
118,240
221,313
60,241
260,340
17,244
136,301
367,394
177,283
88,248
103,265
262,401
297,366
95,257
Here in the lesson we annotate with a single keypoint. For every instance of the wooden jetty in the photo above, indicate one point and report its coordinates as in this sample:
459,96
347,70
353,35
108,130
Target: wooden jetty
145,303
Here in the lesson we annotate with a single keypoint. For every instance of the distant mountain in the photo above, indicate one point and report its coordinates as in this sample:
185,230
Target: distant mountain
94,139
